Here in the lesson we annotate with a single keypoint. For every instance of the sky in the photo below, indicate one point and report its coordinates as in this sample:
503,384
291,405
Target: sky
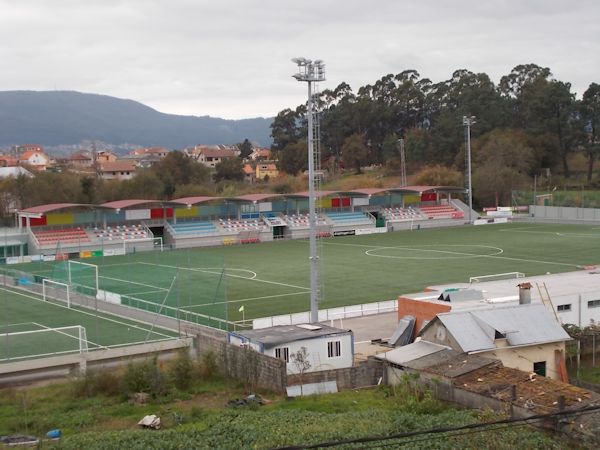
232,58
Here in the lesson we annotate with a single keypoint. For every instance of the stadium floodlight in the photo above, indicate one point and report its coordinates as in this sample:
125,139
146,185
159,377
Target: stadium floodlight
311,72
467,122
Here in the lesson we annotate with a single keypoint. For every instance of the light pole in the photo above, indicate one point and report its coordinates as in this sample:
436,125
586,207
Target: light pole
311,72
467,122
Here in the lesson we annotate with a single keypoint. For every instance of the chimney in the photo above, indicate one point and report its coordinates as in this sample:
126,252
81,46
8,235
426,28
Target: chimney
524,293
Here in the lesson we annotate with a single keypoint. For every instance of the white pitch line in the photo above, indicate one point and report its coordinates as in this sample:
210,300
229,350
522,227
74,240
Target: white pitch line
82,312
461,255
134,282
146,292
246,299
66,334
481,256
228,275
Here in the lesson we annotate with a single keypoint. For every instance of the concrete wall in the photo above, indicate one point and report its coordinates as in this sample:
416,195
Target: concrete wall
74,364
561,214
368,373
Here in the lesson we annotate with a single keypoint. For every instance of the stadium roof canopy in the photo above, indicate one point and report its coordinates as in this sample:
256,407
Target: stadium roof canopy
255,197
122,204
188,201
422,189
43,209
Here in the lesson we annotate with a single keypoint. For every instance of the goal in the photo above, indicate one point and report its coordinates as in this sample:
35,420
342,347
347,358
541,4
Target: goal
496,276
52,341
81,277
55,290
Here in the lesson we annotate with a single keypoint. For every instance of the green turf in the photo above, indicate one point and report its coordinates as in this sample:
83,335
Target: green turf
273,278
22,311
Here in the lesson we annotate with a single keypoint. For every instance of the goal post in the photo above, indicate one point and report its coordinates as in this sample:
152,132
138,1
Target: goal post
83,274
56,290
44,342
496,276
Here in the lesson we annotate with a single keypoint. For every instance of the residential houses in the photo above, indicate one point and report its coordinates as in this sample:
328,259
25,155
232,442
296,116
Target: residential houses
118,170
266,170
210,156
36,159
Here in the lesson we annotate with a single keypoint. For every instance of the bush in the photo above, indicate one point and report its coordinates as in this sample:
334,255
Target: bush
97,382
209,366
182,369
145,377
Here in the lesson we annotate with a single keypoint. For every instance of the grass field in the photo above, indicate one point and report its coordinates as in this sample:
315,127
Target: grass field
23,311
273,278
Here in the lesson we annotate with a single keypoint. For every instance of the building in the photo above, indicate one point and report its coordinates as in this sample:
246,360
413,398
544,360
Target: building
260,154
249,173
160,152
118,170
105,156
37,160
326,347
210,157
6,172
266,170
81,159
525,337
8,161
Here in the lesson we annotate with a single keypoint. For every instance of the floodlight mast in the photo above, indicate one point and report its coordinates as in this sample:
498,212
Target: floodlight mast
467,122
311,72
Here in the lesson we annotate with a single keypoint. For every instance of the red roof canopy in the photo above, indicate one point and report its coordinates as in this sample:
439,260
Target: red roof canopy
121,204
194,200
43,209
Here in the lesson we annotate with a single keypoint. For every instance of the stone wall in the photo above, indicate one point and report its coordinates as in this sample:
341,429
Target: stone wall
241,363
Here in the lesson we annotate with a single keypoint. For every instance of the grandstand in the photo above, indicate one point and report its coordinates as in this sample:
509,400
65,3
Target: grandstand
78,230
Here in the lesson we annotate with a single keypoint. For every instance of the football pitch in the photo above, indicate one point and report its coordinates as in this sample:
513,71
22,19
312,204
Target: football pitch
28,327
273,278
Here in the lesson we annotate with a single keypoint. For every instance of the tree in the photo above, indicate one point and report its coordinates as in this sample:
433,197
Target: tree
301,364
245,148
355,152
229,169
503,160
591,116
293,158
177,168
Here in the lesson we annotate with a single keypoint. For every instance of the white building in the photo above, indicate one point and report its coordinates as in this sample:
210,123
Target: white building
326,347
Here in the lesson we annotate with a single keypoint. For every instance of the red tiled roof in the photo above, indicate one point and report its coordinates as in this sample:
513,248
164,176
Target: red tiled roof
117,166
217,152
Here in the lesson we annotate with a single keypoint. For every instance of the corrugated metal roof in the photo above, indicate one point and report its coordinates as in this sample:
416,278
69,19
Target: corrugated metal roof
410,352
120,204
194,200
42,209
282,334
520,324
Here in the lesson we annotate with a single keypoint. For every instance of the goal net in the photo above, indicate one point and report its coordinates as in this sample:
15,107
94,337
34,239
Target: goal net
496,276
42,342
82,277
55,290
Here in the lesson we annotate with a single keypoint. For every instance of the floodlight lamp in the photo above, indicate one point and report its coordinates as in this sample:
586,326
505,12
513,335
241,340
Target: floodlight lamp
298,77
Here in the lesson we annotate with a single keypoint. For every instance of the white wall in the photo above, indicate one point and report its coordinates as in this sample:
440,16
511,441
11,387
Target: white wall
317,353
579,314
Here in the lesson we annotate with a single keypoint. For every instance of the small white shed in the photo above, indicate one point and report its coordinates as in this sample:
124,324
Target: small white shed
326,347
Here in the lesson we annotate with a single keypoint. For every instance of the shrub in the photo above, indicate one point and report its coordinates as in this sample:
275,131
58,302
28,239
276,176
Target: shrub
181,370
97,382
145,377
209,366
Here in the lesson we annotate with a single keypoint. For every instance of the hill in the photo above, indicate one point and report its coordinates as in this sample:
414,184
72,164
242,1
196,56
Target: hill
53,118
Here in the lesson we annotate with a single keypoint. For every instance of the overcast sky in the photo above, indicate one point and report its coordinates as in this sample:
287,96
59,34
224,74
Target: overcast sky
231,59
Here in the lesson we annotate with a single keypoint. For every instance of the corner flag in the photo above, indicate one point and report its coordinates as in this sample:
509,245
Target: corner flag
241,308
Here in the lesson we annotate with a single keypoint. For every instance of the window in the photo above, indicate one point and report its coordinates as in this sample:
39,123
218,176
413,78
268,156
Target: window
283,353
540,368
594,304
334,349
560,308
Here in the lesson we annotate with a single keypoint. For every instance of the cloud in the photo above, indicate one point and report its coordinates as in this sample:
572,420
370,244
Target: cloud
232,59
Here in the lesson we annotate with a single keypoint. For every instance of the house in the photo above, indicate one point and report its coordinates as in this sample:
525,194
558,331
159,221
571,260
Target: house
117,170
38,160
326,347
6,172
526,336
81,159
8,161
105,156
264,170
249,173
210,157
159,152
260,154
